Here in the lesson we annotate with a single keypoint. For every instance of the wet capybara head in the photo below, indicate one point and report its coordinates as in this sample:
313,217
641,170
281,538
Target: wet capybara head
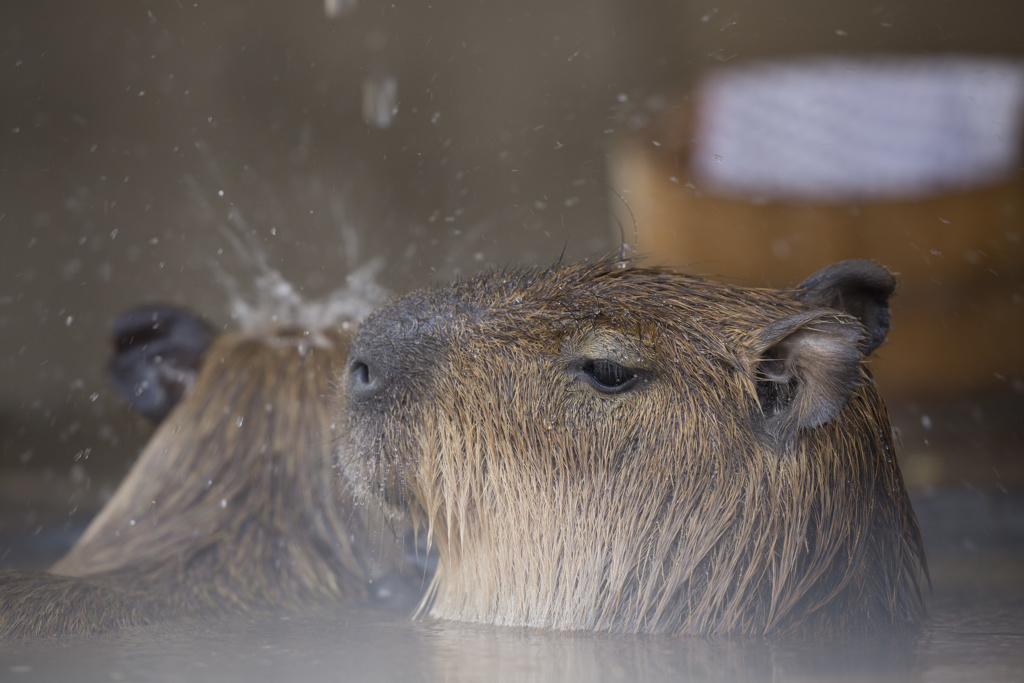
602,446
234,505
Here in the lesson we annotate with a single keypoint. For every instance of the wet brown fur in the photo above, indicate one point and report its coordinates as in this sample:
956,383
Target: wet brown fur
235,505
677,507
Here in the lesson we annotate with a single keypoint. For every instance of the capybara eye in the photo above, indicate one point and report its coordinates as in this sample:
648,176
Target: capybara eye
607,376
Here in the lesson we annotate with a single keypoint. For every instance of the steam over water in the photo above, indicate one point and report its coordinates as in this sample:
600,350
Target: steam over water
975,634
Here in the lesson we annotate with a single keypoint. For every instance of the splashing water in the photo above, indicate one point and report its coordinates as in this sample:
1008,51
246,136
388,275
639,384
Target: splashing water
272,301
260,297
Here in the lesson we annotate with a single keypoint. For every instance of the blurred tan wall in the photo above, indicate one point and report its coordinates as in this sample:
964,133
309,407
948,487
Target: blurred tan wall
958,312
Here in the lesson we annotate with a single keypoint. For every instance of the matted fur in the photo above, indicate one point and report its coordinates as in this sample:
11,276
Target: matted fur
678,506
234,505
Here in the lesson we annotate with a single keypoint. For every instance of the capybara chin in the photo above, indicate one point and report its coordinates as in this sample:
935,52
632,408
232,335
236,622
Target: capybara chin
235,504
608,447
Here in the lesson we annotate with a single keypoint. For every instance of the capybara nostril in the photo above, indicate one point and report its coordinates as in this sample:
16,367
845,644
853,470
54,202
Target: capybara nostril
377,364
363,380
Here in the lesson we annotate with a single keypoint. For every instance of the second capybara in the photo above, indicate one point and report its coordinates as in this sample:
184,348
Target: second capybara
235,504
603,446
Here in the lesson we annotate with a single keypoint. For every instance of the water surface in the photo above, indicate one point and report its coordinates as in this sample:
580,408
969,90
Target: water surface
975,633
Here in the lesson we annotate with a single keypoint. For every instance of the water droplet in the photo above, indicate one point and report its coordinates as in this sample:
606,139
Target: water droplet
380,100
336,8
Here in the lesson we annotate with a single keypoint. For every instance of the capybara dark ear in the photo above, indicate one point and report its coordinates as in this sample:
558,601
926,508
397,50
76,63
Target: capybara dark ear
157,351
806,368
859,288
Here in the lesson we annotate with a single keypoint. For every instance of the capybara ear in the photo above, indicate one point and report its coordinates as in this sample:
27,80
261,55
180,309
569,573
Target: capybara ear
157,350
859,288
806,368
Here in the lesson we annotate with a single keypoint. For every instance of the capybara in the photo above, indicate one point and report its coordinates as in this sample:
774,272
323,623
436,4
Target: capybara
603,446
234,505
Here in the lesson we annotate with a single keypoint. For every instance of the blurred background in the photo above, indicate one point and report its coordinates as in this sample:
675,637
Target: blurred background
142,142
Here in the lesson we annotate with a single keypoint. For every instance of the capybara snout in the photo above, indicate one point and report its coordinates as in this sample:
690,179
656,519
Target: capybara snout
400,348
